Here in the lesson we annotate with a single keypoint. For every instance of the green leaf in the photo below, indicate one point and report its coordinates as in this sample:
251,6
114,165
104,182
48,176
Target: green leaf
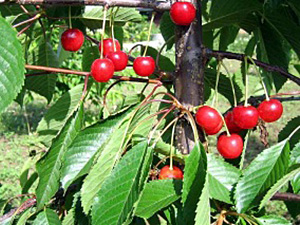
47,217
93,15
58,114
273,219
295,159
49,166
121,189
262,173
43,55
157,195
24,217
279,184
11,65
193,182
203,207
79,158
224,85
109,156
167,29
224,13
89,55
27,185
227,36
222,177
288,129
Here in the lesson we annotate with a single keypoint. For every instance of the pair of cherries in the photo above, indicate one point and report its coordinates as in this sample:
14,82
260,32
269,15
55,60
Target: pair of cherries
242,117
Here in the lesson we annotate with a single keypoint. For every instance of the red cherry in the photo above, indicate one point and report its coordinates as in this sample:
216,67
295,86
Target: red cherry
270,111
230,147
167,173
109,46
183,13
119,59
214,131
72,40
209,119
246,117
231,125
102,70
144,66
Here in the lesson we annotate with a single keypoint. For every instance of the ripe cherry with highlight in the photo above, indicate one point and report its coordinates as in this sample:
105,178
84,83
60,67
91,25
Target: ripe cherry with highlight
119,59
72,40
230,147
109,46
209,119
102,70
144,66
182,13
167,173
246,117
270,111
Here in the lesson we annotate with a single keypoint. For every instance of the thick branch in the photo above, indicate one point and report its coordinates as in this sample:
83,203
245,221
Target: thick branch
82,73
158,6
287,197
266,66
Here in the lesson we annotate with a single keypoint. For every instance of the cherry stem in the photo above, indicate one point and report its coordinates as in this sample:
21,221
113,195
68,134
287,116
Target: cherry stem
25,28
244,149
37,16
160,162
103,31
70,19
215,99
112,27
294,131
86,80
261,79
149,33
194,128
231,83
224,122
160,51
172,143
246,81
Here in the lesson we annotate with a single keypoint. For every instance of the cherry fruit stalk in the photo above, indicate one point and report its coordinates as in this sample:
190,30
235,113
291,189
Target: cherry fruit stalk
183,13
167,173
72,40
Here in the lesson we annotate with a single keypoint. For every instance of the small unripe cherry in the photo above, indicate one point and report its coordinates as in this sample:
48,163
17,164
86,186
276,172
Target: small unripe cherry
183,13
72,40
102,70
119,59
230,147
167,173
231,125
144,66
209,119
270,110
109,46
246,117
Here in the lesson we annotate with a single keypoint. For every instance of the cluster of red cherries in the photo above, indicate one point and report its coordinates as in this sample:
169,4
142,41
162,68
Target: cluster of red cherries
230,145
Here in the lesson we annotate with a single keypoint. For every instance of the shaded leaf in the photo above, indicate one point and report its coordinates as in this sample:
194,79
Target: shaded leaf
203,207
167,29
288,129
89,55
227,36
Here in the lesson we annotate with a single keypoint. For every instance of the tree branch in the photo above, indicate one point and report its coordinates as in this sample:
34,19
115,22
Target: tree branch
241,57
50,70
157,6
287,197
